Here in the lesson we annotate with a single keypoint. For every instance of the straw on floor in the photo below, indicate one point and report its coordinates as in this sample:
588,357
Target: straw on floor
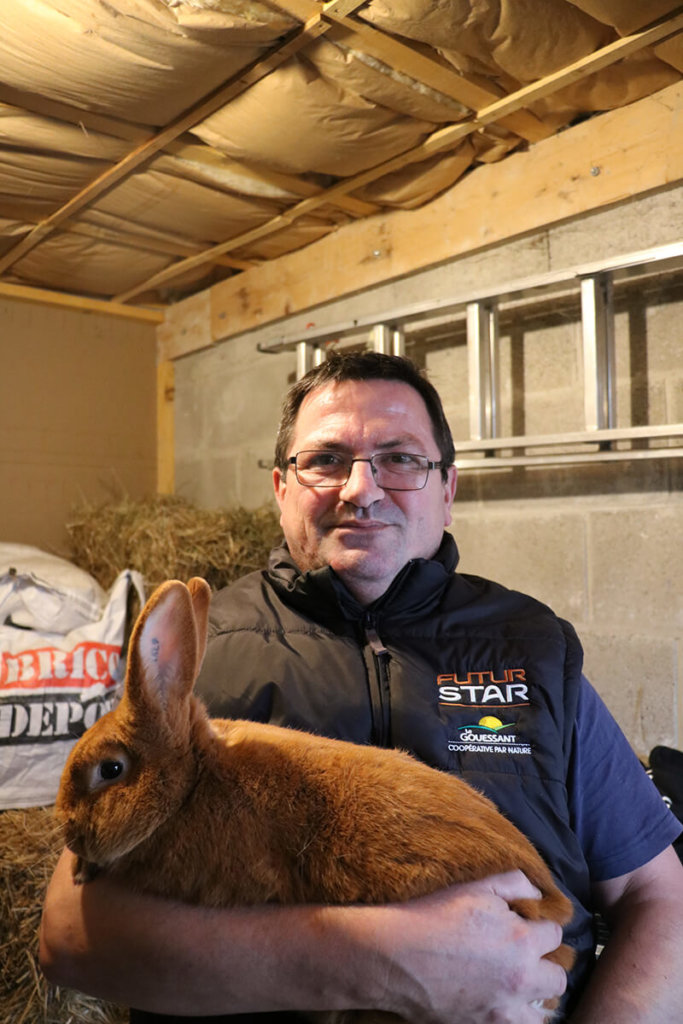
29,847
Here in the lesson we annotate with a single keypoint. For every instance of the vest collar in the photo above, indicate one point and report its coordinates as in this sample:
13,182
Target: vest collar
416,589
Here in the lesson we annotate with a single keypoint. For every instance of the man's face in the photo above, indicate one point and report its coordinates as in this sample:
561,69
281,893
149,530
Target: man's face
366,534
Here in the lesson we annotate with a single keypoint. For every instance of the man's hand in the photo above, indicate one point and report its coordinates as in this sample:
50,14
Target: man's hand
463,957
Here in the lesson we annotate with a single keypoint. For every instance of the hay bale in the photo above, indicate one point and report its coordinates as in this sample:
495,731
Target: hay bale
167,537
29,847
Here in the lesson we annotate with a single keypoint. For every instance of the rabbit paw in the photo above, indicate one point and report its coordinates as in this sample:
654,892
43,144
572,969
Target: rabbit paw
84,871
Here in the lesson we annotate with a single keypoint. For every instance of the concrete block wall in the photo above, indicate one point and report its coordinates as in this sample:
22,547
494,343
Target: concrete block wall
227,406
600,543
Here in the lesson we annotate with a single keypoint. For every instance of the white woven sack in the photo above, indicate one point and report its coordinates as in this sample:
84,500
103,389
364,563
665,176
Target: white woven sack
53,686
42,591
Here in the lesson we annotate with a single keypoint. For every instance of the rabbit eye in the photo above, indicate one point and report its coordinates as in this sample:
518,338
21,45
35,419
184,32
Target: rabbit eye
107,771
110,770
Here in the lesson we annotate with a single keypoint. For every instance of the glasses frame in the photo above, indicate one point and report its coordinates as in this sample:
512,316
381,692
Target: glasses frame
430,465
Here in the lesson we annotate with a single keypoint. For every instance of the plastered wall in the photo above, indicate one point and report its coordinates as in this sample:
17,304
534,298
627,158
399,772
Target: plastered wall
77,416
601,544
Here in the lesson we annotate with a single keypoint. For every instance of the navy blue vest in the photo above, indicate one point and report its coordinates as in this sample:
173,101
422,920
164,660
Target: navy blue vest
468,676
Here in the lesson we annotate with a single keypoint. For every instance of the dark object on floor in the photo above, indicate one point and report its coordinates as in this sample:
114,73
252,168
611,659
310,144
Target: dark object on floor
666,769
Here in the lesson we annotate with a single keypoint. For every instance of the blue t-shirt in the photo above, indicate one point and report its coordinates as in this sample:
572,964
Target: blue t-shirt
619,815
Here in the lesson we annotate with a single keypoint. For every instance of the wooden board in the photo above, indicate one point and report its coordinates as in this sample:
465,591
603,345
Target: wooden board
187,327
45,297
165,428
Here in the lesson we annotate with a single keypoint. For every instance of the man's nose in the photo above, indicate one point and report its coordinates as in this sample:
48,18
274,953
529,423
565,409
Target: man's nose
361,488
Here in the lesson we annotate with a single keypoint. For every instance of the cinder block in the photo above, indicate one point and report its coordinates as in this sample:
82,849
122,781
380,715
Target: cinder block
540,555
663,319
636,568
640,223
675,399
223,480
635,676
227,410
447,370
554,411
552,357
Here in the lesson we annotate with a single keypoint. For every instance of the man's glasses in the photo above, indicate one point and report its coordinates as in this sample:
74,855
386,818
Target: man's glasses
392,471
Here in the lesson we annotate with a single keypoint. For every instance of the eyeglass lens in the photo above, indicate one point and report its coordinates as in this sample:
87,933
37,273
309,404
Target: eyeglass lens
392,470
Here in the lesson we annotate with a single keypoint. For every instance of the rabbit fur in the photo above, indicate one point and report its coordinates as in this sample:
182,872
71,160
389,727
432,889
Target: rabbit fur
221,812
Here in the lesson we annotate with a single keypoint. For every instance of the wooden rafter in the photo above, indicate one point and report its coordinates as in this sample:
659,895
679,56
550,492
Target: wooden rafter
585,66
341,8
201,153
423,69
46,297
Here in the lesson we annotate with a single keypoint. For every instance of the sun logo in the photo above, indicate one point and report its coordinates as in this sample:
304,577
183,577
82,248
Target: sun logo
490,722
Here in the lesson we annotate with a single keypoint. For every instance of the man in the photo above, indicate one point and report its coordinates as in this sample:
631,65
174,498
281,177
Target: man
362,629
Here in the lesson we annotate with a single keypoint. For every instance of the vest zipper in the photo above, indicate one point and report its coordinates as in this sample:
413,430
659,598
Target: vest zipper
380,693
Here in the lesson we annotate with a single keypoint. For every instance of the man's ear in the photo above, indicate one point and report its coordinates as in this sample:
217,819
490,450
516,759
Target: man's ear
449,489
279,485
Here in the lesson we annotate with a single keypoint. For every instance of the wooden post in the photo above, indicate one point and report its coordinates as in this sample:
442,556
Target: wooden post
165,428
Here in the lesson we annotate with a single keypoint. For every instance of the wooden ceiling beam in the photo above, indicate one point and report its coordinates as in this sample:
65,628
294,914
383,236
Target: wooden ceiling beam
401,57
199,152
340,8
84,303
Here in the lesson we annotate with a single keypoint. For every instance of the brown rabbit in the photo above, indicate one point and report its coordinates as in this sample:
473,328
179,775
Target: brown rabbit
222,812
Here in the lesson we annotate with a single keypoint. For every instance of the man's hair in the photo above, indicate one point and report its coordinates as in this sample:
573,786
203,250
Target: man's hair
341,367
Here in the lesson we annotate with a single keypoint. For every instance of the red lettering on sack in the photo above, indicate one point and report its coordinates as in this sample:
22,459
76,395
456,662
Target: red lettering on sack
88,664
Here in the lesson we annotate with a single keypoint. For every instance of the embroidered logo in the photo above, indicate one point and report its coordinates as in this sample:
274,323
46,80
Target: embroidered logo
489,736
483,689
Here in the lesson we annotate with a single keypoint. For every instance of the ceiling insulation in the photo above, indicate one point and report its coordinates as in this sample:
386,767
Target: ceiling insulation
150,148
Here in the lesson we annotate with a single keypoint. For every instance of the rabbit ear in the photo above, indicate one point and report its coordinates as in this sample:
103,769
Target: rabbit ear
200,592
163,656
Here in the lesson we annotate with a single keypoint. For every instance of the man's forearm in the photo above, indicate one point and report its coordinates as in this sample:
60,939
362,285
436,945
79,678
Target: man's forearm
410,958
173,958
638,978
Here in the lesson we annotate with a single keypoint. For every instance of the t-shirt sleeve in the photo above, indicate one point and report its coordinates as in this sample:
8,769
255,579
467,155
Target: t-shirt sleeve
618,814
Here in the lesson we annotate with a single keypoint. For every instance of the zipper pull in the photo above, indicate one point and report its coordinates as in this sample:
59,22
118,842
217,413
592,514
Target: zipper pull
373,639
